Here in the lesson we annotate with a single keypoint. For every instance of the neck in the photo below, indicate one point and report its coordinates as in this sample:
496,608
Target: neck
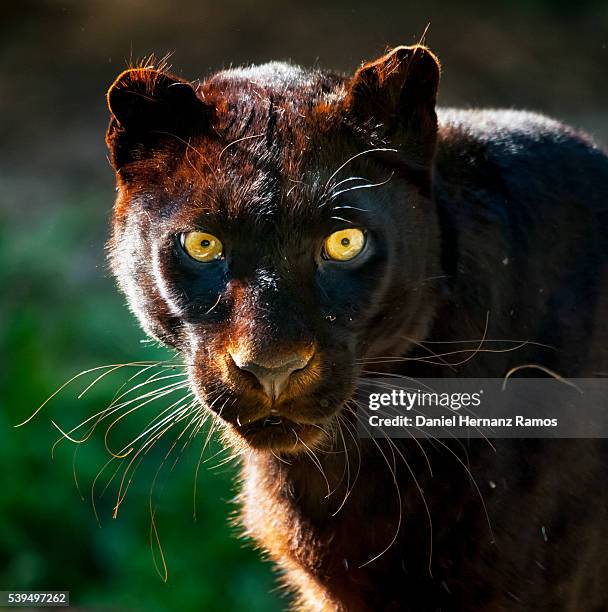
335,481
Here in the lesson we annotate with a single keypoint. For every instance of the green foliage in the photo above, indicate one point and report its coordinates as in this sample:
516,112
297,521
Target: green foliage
62,315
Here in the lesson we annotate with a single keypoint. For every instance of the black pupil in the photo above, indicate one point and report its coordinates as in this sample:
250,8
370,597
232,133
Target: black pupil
345,242
205,243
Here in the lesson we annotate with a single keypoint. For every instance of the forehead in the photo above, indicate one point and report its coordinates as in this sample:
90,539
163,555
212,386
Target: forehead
275,86
267,150
276,113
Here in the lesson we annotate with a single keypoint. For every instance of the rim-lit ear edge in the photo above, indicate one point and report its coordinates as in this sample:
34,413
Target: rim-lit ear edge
396,95
145,104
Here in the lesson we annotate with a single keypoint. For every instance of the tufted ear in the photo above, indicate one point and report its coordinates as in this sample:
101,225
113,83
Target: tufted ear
396,95
149,106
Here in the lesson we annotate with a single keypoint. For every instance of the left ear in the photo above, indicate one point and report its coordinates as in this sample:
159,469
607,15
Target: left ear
396,96
149,106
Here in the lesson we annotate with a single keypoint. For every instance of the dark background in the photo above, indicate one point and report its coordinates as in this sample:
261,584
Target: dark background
60,314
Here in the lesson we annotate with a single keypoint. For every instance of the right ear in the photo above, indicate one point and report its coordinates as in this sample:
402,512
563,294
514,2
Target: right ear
149,106
397,94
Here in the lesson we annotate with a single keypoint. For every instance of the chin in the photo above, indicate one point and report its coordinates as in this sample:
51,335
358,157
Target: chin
279,435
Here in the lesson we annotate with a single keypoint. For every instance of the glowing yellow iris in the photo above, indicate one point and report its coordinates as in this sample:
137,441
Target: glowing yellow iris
202,246
344,245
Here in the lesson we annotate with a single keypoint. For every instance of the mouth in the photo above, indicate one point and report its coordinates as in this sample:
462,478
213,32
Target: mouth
277,433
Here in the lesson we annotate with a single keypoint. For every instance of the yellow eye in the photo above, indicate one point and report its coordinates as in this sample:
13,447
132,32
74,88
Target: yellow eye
202,246
344,245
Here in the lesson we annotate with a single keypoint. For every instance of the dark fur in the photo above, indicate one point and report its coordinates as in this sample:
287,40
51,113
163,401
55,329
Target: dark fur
484,224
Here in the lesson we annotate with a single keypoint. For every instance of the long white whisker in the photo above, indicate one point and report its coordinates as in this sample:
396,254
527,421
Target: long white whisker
354,188
350,159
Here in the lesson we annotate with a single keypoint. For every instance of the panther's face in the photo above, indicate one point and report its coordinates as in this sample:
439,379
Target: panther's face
275,227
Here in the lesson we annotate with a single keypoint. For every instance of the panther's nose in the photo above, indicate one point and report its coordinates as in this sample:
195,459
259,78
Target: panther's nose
273,374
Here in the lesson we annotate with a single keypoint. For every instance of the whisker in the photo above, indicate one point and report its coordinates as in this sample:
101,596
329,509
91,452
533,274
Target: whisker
352,158
236,142
399,500
172,389
349,488
111,409
536,366
475,350
370,186
422,496
176,408
315,461
76,377
154,537
348,180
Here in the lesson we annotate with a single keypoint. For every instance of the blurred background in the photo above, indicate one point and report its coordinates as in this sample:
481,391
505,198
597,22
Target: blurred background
60,313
